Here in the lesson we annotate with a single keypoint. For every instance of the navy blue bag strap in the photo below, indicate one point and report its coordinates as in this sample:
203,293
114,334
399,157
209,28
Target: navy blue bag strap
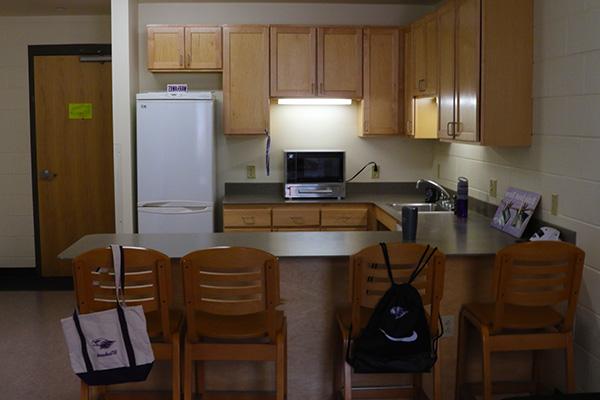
120,312
388,265
86,357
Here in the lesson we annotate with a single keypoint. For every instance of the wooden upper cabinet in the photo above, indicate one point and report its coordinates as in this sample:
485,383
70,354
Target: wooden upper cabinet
165,47
382,103
467,69
293,61
203,47
446,60
485,71
246,79
409,79
424,56
340,62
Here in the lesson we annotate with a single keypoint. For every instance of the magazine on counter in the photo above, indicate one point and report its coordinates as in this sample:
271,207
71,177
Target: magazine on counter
515,211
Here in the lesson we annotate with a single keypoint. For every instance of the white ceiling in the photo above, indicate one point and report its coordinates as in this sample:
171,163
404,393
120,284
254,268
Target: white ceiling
94,7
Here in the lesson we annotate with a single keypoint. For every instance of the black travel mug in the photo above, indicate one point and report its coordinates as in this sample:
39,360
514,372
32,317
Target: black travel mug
409,223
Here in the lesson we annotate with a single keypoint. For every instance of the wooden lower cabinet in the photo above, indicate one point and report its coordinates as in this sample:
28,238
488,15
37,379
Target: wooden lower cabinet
247,218
344,218
298,218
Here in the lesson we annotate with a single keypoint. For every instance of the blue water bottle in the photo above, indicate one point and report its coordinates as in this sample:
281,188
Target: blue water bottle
462,197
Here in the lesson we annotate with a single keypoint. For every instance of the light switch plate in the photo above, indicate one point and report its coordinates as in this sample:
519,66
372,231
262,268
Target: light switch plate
554,206
493,188
375,172
250,171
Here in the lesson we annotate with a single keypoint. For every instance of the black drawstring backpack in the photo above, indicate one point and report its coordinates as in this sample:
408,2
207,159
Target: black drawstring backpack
397,336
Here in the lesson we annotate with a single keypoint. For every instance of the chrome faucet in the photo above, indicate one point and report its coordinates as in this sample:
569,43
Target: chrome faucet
446,200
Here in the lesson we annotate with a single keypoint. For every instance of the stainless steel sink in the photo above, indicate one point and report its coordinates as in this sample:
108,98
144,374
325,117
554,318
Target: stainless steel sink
422,207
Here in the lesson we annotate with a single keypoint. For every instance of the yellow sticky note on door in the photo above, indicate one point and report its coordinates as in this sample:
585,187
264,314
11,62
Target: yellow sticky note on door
80,110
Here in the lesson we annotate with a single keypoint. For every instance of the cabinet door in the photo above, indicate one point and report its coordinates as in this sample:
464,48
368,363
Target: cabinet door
293,61
419,57
340,58
467,69
165,47
431,43
409,79
203,47
381,75
446,34
245,79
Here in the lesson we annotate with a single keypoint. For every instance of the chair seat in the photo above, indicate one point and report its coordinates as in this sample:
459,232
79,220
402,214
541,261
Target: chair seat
153,322
235,326
516,317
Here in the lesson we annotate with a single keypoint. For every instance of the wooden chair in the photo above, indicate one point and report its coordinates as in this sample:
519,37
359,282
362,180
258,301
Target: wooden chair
529,280
230,298
368,282
147,283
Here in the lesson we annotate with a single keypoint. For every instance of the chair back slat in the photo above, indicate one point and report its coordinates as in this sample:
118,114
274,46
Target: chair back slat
230,281
537,274
369,277
147,281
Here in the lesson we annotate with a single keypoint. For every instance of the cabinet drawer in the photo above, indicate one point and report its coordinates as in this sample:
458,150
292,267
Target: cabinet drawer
257,229
344,217
291,217
247,217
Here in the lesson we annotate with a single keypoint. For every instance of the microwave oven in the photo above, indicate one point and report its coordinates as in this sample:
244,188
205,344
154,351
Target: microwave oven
311,174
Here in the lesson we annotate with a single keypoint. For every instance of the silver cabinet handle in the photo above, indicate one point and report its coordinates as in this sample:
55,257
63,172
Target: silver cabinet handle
422,85
248,220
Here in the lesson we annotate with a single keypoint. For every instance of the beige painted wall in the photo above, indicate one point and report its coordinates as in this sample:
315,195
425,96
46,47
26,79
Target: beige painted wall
563,158
16,204
291,126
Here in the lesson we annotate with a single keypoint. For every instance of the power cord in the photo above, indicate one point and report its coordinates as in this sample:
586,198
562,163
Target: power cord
375,168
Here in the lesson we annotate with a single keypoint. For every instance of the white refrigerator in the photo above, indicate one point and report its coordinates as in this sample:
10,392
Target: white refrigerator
175,162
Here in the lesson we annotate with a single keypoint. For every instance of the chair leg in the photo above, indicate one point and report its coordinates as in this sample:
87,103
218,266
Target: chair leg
85,391
199,366
536,372
418,385
437,380
285,361
570,365
175,367
461,356
187,371
347,381
280,367
487,366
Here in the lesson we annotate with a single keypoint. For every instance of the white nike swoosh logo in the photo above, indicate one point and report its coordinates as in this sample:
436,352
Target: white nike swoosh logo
410,338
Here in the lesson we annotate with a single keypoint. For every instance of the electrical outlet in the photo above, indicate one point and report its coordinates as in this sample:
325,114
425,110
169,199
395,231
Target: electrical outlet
375,172
448,324
493,188
554,206
250,172
439,168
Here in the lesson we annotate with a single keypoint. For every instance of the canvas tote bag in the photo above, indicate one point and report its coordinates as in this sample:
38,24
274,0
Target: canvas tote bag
111,346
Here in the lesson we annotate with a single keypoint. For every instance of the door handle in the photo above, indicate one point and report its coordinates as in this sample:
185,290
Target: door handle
47,175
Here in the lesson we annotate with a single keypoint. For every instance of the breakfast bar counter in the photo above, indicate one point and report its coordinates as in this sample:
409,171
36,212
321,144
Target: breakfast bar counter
314,280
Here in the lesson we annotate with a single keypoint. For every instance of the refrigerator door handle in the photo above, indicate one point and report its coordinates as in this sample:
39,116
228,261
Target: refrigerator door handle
174,210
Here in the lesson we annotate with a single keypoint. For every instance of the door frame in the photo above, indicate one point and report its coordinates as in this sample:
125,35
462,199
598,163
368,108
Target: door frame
31,278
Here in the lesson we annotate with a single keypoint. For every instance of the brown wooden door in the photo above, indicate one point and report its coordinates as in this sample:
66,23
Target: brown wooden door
293,61
381,108
340,62
74,157
246,79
